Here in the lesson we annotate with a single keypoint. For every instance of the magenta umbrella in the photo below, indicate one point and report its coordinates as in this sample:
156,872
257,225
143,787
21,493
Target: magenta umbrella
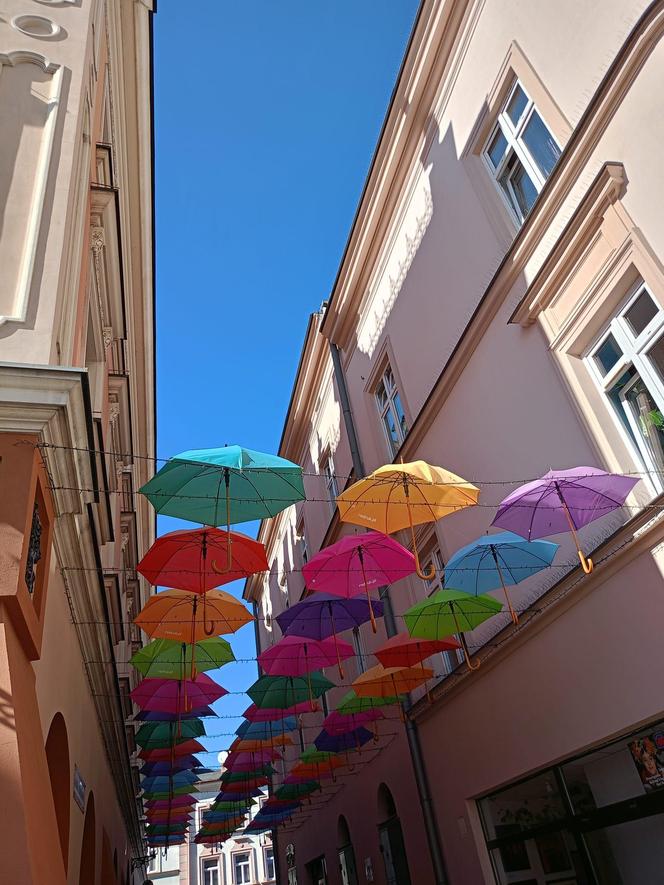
563,501
167,695
255,759
357,564
339,723
297,655
272,714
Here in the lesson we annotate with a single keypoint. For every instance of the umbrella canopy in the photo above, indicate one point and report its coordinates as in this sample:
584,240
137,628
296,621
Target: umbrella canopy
166,792
259,757
563,501
224,486
165,781
323,614
352,703
249,744
177,802
499,560
400,496
265,730
297,791
176,614
152,716
182,763
284,691
156,735
403,650
450,611
169,659
270,714
296,655
235,777
336,723
349,740
197,559
168,694
357,564
160,747
382,681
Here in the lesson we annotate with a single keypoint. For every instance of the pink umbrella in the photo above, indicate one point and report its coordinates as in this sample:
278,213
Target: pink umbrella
271,714
167,695
357,564
340,723
297,655
254,759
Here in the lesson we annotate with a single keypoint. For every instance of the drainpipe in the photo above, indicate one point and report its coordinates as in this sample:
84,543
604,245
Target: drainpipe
419,768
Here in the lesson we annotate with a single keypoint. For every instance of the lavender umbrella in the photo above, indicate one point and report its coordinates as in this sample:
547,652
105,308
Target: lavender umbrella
350,740
561,501
324,614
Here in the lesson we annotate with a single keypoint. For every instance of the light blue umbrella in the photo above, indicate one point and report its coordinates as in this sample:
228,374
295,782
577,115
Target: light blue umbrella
261,731
500,560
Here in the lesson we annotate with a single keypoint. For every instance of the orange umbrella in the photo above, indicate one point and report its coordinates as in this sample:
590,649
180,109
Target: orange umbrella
382,681
278,740
176,614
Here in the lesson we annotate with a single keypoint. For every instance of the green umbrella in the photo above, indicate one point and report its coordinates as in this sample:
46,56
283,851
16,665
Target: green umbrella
232,806
184,790
281,692
169,659
314,756
297,791
450,611
351,703
223,486
155,735
240,776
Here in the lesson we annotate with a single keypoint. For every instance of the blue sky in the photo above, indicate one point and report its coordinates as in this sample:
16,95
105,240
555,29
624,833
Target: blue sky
266,118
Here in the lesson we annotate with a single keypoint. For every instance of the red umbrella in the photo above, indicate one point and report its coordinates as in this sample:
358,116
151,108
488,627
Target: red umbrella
166,695
403,650
196,559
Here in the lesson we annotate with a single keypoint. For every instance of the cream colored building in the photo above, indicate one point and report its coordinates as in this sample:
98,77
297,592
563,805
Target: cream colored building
76,399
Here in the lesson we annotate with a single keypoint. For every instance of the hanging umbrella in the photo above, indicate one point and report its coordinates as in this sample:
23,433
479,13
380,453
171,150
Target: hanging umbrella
499,560
349,740
169,659
157,735
176,614
196,559
403,650
450,611
152,716
351,703
563,501
259,757
167,694
270,714
400,496
277,740
299,655
382,681
224,486
235,777
357,564
265,730
297,791
166,792
177,802
284,691
336,723
182,763
162,747
165,781
322,615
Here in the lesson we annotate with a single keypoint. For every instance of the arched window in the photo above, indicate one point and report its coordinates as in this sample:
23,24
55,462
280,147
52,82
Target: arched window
386,805
57,759
390,836
347,867
86,873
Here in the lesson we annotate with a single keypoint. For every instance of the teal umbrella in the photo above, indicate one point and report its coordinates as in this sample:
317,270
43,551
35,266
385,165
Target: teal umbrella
224,486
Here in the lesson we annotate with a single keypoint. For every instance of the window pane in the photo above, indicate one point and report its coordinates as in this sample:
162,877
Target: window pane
540,143
518,186
497,148
398,408
391,428
553,857
607,354
527,805
656,355
640,313
516,105
648,419
630,853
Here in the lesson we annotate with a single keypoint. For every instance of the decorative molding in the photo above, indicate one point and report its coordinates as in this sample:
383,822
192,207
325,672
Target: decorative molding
38,26
34,221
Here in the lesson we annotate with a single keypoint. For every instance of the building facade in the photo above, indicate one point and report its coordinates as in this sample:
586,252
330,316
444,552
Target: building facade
76,400
499,311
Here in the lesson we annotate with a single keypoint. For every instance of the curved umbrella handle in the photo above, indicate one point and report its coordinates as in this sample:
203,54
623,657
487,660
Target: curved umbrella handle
586,562
431,571
466,654
207,632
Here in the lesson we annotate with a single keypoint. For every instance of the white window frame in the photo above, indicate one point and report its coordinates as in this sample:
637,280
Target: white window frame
301,533
635,353
267,848
331,484
513,134
234,856
392,391
210,863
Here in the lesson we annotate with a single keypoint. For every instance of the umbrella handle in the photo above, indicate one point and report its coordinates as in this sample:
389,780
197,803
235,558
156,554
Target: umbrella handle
205,627
515,617
430,573
586,562
342,675
464,644
366,589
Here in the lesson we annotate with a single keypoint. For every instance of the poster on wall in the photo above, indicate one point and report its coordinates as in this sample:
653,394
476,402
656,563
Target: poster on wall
648,755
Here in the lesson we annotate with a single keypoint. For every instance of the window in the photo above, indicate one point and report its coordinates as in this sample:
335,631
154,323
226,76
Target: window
302,541
241,868
268,860
331,485
450,659
520,152
390,408
211,872
628,364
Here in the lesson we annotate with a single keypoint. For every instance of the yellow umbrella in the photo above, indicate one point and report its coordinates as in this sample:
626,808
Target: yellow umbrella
399,496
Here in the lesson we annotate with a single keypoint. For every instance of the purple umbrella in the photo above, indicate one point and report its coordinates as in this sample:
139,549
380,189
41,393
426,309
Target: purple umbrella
322,615
350,740
561,501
